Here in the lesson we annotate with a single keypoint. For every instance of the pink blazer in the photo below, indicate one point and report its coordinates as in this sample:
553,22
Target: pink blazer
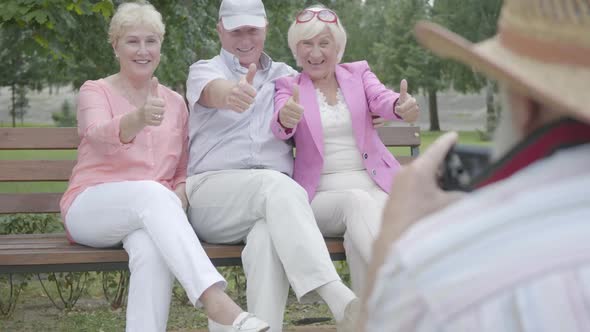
365,95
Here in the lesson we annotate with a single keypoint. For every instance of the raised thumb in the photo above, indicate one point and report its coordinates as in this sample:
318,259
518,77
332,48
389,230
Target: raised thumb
403,89
296,93
251,73
154,87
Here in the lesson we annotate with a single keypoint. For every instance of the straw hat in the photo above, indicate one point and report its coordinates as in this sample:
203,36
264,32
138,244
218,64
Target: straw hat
542,50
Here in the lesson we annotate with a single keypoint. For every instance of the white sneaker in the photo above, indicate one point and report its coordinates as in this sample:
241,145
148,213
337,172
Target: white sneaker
245,322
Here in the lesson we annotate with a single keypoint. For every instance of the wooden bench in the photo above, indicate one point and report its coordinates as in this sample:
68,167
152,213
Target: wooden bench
38,253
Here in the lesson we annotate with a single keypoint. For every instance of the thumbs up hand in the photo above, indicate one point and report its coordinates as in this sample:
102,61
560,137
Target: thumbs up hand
406,107
242,94
292,111
152,112
250,74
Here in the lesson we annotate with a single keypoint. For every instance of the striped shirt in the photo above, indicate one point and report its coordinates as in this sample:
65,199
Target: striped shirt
513,256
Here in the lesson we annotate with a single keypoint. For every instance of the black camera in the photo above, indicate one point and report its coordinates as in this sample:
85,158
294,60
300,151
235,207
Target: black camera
462,165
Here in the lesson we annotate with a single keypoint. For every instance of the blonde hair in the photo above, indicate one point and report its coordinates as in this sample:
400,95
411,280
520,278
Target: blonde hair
131,14
303,31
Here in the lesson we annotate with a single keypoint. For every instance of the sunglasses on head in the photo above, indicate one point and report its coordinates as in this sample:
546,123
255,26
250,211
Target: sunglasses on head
324,15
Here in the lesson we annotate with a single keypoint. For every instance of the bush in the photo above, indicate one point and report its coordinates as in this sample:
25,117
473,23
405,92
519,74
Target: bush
30,224
65,118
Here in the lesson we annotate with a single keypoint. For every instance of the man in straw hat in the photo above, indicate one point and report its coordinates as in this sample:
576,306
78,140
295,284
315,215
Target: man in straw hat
514,254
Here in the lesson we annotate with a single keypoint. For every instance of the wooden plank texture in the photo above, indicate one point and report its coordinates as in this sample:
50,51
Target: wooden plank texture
30,203
67,138
400,136
43,249
36,170
38,138
404,159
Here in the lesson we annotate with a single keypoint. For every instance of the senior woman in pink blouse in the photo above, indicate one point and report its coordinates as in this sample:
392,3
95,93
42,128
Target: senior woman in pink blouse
128,184
327,110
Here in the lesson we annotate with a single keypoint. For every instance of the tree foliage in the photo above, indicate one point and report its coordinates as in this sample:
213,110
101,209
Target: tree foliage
398,55
65,118
72,35
57,42
475,20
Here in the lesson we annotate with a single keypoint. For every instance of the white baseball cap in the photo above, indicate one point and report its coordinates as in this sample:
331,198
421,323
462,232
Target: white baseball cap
236,13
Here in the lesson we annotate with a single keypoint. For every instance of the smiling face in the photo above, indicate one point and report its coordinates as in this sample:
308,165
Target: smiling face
318,56
138,50
246,43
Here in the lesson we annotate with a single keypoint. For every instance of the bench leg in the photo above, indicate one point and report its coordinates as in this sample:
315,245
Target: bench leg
10,289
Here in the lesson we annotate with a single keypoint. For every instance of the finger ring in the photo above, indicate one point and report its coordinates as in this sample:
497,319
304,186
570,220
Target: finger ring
157,116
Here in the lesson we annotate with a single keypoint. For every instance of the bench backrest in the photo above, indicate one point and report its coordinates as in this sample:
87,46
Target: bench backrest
67,139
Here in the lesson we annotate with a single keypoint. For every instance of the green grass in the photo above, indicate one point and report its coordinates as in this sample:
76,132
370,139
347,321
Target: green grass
465,137
38,155
35,312
8,124
33,187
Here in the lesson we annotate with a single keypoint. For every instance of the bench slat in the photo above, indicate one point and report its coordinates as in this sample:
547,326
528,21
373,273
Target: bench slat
48,236
401,136
34,237
67,138
38,138
49,202
29,203
404,160
36,170
48,249
47,170
54,256
34,246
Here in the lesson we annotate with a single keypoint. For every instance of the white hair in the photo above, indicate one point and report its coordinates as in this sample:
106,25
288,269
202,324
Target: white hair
303,31
132,14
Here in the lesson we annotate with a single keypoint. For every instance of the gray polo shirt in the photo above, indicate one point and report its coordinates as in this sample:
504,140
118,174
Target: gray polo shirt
221,139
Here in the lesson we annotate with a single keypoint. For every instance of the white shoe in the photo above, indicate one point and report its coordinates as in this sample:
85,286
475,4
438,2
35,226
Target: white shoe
351,315
245,322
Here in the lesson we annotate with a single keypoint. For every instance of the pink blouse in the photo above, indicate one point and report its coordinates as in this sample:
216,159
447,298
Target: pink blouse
156,153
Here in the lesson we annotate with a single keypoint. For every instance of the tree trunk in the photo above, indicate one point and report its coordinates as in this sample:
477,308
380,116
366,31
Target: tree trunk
13,112
433,110
491,117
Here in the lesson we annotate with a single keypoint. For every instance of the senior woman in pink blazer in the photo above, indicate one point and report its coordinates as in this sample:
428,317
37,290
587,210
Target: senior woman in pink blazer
327,109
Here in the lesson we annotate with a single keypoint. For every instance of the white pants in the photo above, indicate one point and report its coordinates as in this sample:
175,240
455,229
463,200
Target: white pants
270,213
148,219
350,204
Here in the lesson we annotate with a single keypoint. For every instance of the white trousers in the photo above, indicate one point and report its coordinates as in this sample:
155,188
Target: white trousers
148,219
350,204
270,213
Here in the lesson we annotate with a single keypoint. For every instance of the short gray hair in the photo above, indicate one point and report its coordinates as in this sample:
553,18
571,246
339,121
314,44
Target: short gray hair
303,31
132,14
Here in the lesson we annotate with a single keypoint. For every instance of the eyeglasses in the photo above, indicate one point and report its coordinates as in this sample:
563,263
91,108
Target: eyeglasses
324,15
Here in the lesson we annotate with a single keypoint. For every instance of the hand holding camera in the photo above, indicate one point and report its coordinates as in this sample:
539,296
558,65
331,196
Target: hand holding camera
461,166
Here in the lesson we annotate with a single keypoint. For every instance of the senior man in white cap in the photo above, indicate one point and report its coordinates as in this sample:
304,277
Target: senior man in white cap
239,185
514,254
